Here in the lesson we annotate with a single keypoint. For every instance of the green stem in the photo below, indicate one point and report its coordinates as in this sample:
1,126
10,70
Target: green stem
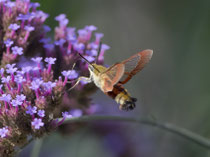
202,141
37,147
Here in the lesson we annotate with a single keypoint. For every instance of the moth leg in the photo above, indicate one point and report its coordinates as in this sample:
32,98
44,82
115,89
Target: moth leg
70,73
82,78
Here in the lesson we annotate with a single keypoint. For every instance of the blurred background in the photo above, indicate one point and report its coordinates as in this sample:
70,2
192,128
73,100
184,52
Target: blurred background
174,87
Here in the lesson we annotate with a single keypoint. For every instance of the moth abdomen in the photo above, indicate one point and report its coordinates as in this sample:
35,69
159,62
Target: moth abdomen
124,99
128,105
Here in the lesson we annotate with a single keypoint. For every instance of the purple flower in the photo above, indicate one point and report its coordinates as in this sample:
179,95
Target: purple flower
76,112
2,71
34,5
3,132
46,28
71,74
20,97
83,34
66,114
31,110
10,4
10,65
35,68
14,26
17,50
37,123
90,58
35,84
105,47
63,21
71,36
79,46
37,59
41,15
8,42
83,82
5,79
29,28
99,35
6,97
94,45
66,73
26,69
22,17
92,52
49,46
50,60
16,103
11,69
91,28
41,113
45,40
60,42
49,85
60,17
19,79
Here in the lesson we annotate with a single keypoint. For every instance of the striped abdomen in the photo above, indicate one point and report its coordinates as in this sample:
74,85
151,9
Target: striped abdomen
121,96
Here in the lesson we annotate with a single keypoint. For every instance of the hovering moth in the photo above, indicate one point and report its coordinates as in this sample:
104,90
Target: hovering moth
110,80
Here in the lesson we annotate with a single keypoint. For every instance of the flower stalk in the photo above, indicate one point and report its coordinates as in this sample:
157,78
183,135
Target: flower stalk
184,133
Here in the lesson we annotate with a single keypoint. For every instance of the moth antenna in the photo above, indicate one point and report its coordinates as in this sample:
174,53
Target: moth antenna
88,61
98,53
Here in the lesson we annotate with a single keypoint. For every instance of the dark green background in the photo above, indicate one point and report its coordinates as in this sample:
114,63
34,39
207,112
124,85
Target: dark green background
174,87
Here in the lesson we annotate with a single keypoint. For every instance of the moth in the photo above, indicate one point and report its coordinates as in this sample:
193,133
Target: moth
110,80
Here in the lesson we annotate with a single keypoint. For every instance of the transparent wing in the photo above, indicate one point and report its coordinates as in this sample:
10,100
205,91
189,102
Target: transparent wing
134,64
112,76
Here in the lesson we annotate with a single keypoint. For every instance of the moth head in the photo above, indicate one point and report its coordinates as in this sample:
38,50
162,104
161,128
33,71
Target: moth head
91,67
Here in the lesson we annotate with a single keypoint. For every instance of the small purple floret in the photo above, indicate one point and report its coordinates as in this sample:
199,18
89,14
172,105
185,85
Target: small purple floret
19,79
16,103
5,79
14,26
29,28
17,50
31,110
72,74
37,59
35,84
66,114
11,69
3,132
60,42
8,42
20,97
37,123
50,60
76,112
6,97
49,85
41,113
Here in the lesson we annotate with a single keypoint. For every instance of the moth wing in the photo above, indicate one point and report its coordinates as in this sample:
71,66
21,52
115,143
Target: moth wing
112,76
134,64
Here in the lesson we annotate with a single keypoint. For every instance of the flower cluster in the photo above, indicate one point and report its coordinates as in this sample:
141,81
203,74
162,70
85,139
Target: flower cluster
36,72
